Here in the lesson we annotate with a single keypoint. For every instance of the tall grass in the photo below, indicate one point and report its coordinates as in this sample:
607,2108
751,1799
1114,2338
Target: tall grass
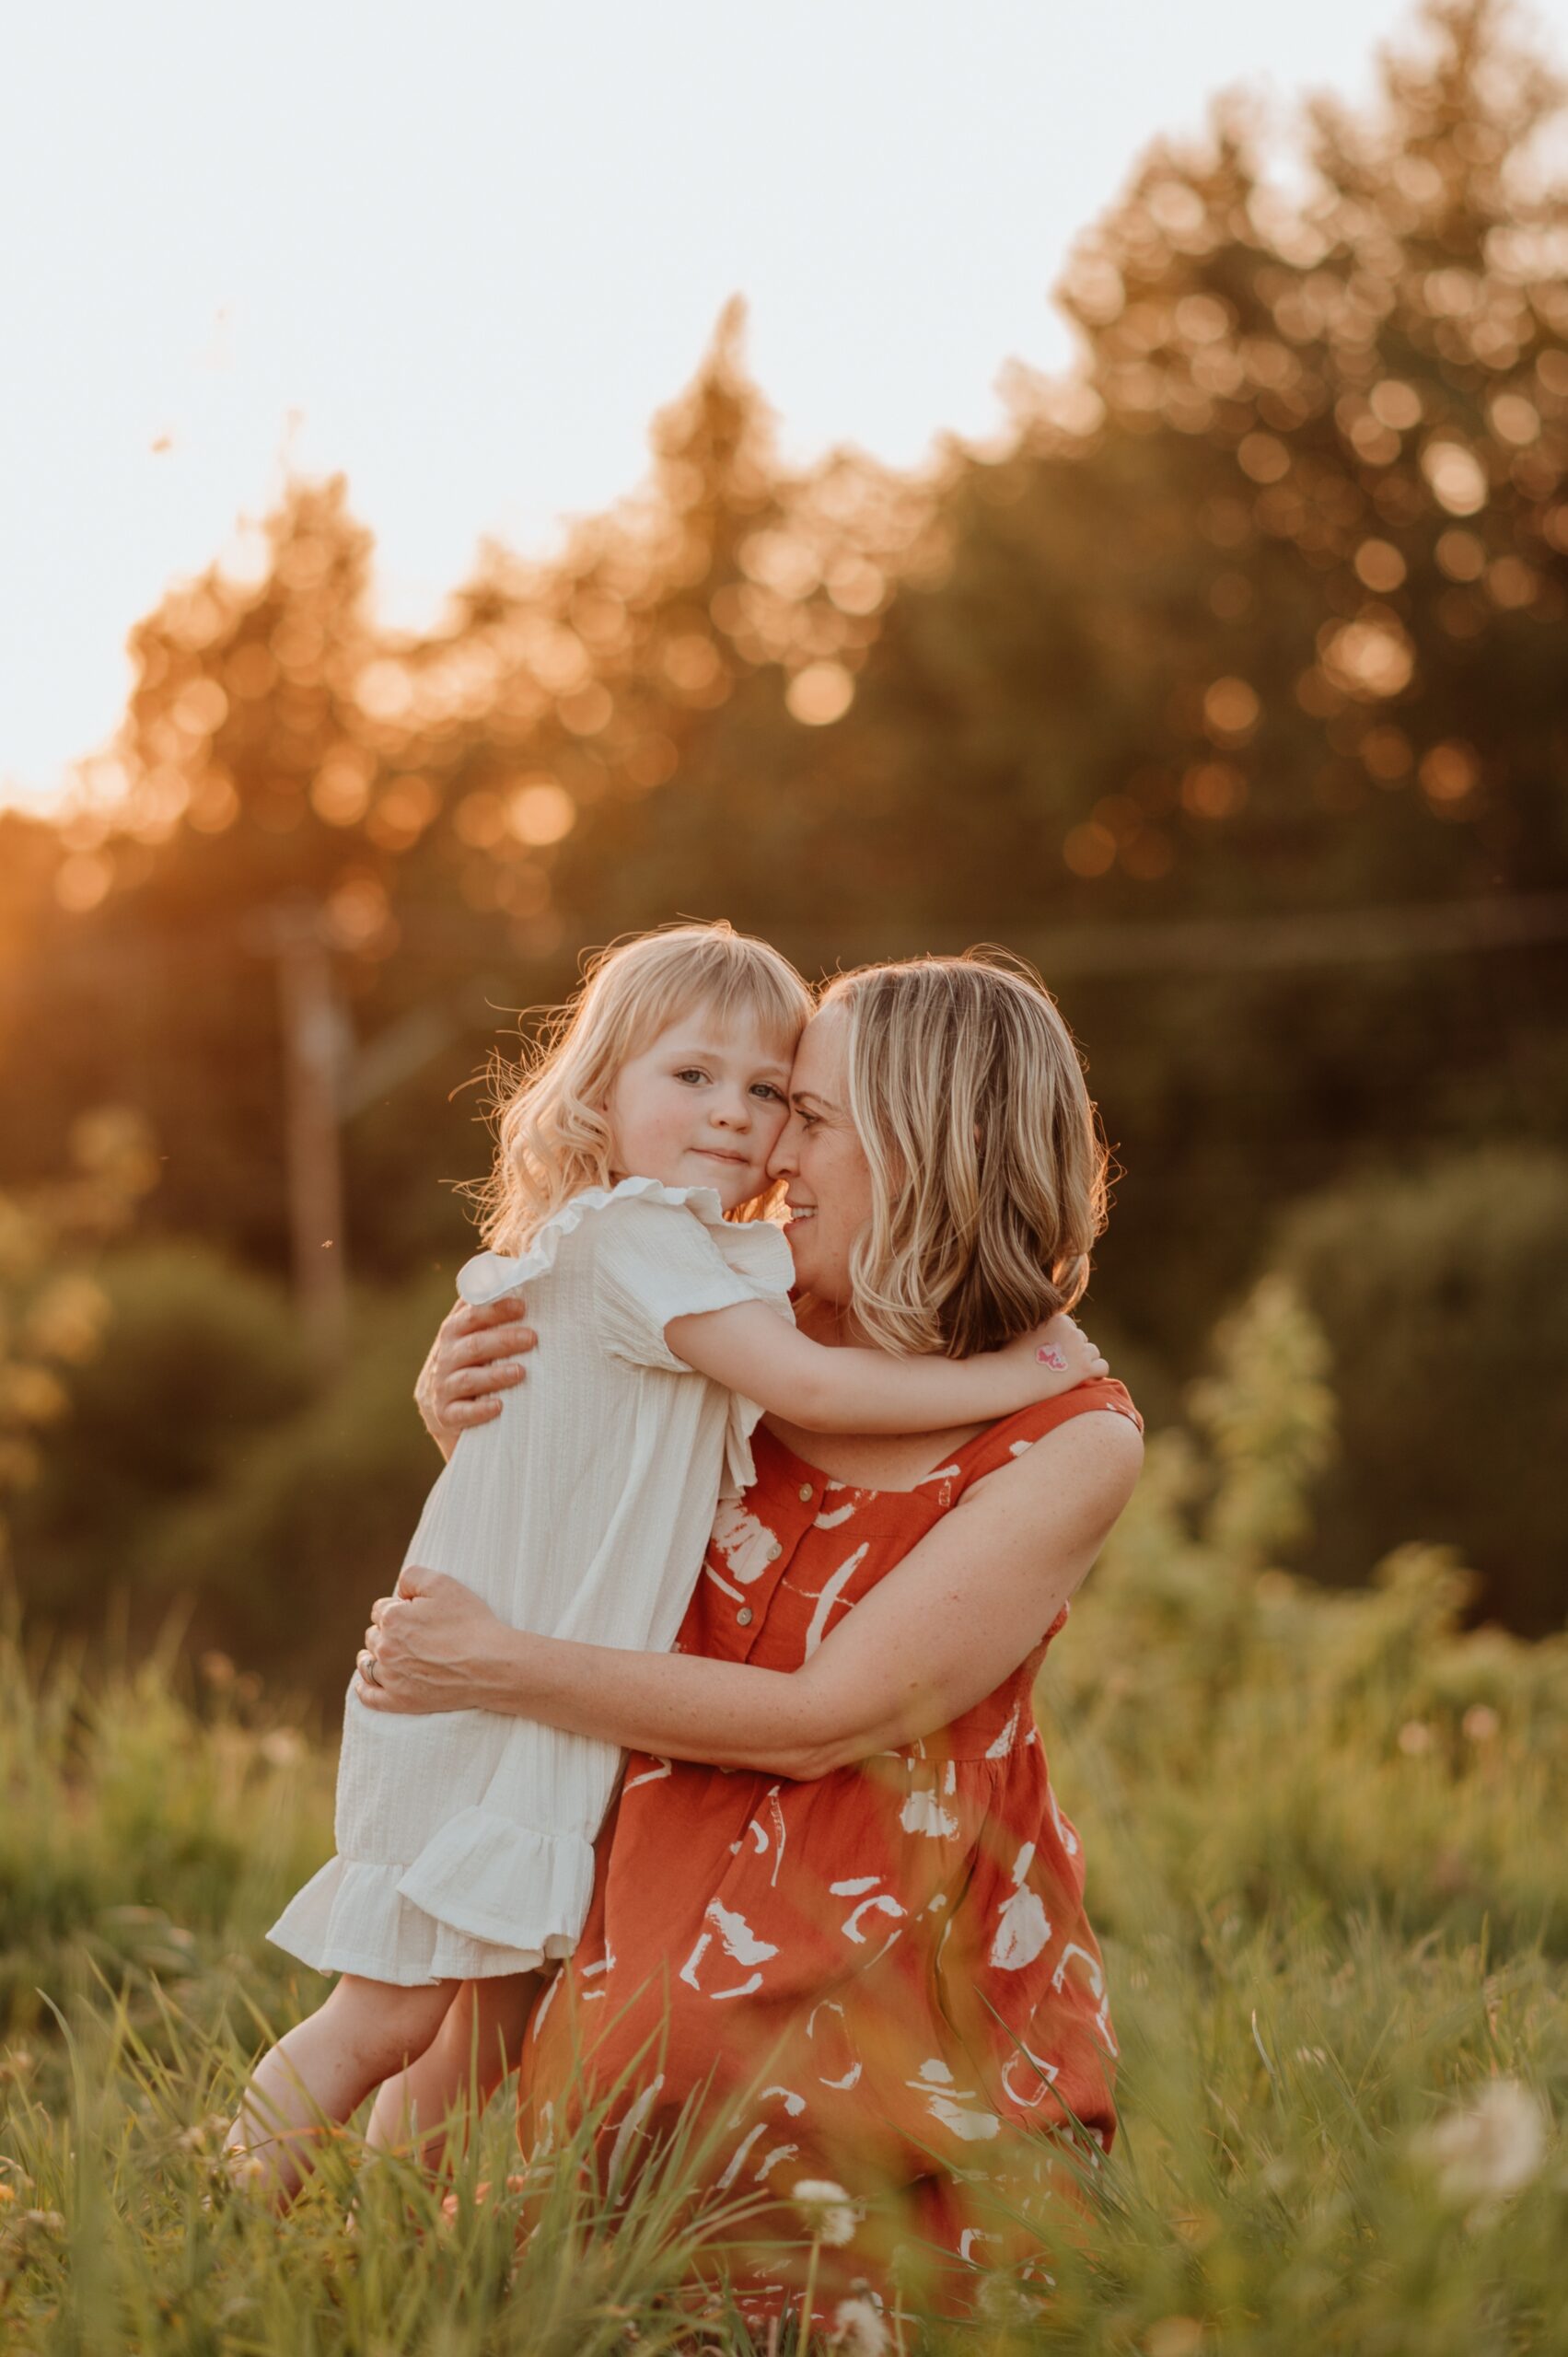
1325,1855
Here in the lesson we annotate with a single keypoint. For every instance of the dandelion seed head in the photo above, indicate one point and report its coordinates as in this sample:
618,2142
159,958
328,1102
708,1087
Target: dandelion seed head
1488,2148
858,2328
829,2213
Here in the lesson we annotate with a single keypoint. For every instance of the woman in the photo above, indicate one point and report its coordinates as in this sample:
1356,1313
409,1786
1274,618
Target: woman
836,1899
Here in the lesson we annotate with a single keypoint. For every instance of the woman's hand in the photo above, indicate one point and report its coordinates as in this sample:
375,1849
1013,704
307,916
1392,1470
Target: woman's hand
434,1647
473,1358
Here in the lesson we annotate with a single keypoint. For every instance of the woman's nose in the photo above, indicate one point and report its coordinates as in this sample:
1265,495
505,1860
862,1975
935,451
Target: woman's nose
785,1160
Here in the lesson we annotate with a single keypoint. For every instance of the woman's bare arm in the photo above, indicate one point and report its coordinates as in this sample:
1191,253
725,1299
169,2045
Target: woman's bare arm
932,1638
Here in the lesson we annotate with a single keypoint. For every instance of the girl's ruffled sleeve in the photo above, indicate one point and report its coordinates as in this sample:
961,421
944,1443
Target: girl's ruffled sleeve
656,1261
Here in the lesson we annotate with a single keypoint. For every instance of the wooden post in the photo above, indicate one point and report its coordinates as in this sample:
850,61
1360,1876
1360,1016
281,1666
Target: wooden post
313,1036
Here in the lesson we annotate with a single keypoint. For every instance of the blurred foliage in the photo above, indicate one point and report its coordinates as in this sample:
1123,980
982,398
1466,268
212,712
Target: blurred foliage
286,1557
198,1358
202,1464
1218,690
52,1310
1440,1291
1282,1748
1321,1837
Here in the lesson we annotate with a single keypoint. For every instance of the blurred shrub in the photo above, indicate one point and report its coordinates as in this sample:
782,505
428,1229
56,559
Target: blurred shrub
1441,1293
52,1309
1255,1744
198,1356
286,1555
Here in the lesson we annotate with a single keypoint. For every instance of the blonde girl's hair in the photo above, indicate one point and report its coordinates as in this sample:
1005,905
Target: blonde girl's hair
551,1139
988,1167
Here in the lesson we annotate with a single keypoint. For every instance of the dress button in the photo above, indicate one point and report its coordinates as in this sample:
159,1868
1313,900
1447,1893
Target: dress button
744,1616
774,1551
806,1493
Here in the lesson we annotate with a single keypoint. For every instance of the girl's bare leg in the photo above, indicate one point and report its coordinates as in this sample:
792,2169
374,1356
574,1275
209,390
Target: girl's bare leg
323,2069
478,2042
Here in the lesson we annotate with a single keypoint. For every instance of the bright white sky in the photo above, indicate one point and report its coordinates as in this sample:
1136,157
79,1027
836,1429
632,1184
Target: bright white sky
462,252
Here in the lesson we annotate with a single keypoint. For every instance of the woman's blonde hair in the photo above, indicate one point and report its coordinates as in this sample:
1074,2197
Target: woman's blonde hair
551,1140
989,1173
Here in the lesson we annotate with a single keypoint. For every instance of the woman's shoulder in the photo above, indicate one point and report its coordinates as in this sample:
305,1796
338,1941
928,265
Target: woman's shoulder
1012,1437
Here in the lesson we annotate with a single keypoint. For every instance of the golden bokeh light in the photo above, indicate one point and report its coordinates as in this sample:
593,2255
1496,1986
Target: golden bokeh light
1369,658
1395,404
1511,583
358,917
1460,556
1090,849
1515,420
540,811
402,811
82,881
215,803
1379,566
481,819
1386,755
1263,457
652,761
820,694
340,791
1458,479
587,710
1231,710
1449,773
1213,790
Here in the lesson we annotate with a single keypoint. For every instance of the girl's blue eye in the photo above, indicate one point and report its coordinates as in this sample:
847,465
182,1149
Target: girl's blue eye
691,1072
766,1088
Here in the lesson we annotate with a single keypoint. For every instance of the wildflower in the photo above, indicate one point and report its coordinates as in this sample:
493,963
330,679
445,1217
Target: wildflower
829,2213
1002,2302
1415,1736
1480,1723
7,2193
1488,2148
282,1747
858,2329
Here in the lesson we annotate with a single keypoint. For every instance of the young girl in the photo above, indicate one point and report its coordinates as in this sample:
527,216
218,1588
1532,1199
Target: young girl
629,1180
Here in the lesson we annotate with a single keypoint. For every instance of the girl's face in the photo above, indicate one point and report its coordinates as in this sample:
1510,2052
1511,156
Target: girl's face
703,1106
820,1155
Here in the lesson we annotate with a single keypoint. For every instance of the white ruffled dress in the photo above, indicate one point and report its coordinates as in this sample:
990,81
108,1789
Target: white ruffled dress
464,1837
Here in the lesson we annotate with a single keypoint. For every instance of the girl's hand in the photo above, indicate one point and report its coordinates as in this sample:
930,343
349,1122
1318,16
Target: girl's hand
430,1647
473,1358
1055,1357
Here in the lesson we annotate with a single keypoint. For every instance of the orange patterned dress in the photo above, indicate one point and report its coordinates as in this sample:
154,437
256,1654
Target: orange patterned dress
878,1977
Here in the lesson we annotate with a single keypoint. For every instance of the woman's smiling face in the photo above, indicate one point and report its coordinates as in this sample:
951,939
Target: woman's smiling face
829,1193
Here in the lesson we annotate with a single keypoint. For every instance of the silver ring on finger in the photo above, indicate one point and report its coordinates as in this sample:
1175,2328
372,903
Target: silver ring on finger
368,1666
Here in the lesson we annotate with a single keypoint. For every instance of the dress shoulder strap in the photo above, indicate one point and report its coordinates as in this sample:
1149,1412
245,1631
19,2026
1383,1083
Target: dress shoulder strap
1012,1435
